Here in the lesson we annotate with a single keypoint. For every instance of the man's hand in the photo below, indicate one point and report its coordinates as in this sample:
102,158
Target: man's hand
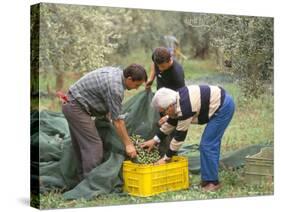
148,84
163,120
123,134
131,151
148,144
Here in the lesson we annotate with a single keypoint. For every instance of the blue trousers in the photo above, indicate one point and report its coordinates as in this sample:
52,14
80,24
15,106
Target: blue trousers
211,140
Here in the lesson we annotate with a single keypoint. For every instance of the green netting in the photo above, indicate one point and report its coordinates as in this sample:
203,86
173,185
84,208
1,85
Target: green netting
141,118
57,164
229,161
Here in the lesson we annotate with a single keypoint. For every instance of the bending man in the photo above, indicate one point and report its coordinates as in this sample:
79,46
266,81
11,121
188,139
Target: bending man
99,93
195,104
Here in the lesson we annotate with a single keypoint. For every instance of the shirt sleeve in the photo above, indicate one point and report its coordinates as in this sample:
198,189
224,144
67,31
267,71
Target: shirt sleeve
179,76
179,137
115,107
115,99
166,128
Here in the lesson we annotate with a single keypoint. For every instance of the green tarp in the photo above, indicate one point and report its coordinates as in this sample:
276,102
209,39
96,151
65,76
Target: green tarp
56,164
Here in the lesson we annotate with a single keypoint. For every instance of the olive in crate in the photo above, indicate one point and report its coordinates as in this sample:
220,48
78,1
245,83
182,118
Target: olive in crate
144,156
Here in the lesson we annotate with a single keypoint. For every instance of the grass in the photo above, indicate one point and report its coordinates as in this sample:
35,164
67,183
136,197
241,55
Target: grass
251,124
195,69
233,186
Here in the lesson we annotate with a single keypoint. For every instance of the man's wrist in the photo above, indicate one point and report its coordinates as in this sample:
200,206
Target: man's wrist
129,144
166,158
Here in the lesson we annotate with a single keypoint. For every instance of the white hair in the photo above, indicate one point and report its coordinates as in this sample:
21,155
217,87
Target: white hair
163,98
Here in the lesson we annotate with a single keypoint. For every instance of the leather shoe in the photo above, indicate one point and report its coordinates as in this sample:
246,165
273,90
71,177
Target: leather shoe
211,187
204,183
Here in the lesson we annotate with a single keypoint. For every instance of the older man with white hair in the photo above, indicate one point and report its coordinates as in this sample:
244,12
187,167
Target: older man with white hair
199,104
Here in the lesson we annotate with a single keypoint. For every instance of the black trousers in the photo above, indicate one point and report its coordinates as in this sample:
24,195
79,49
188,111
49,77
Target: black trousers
85,138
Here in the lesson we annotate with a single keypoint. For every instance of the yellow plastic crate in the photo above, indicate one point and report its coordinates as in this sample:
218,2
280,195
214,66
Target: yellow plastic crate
145,180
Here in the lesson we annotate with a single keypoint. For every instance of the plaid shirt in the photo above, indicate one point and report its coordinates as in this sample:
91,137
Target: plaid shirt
101,92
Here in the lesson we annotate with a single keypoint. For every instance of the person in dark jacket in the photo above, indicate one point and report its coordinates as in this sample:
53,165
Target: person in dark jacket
167,71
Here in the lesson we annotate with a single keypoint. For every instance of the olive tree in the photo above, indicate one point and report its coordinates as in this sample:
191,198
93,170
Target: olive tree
248,43
73,38
243,43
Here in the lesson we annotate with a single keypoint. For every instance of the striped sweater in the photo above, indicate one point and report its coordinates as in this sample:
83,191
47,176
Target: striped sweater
195,104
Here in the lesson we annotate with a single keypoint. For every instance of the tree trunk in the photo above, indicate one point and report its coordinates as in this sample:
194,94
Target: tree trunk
202,52
49,90
220,58
59,81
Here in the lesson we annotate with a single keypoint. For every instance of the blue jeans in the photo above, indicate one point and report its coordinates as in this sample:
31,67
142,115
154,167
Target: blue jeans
211,140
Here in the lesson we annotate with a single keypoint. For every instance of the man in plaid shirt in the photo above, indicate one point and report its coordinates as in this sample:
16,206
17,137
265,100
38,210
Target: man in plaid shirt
99,93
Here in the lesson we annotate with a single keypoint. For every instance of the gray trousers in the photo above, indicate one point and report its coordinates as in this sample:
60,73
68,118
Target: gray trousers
85,138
